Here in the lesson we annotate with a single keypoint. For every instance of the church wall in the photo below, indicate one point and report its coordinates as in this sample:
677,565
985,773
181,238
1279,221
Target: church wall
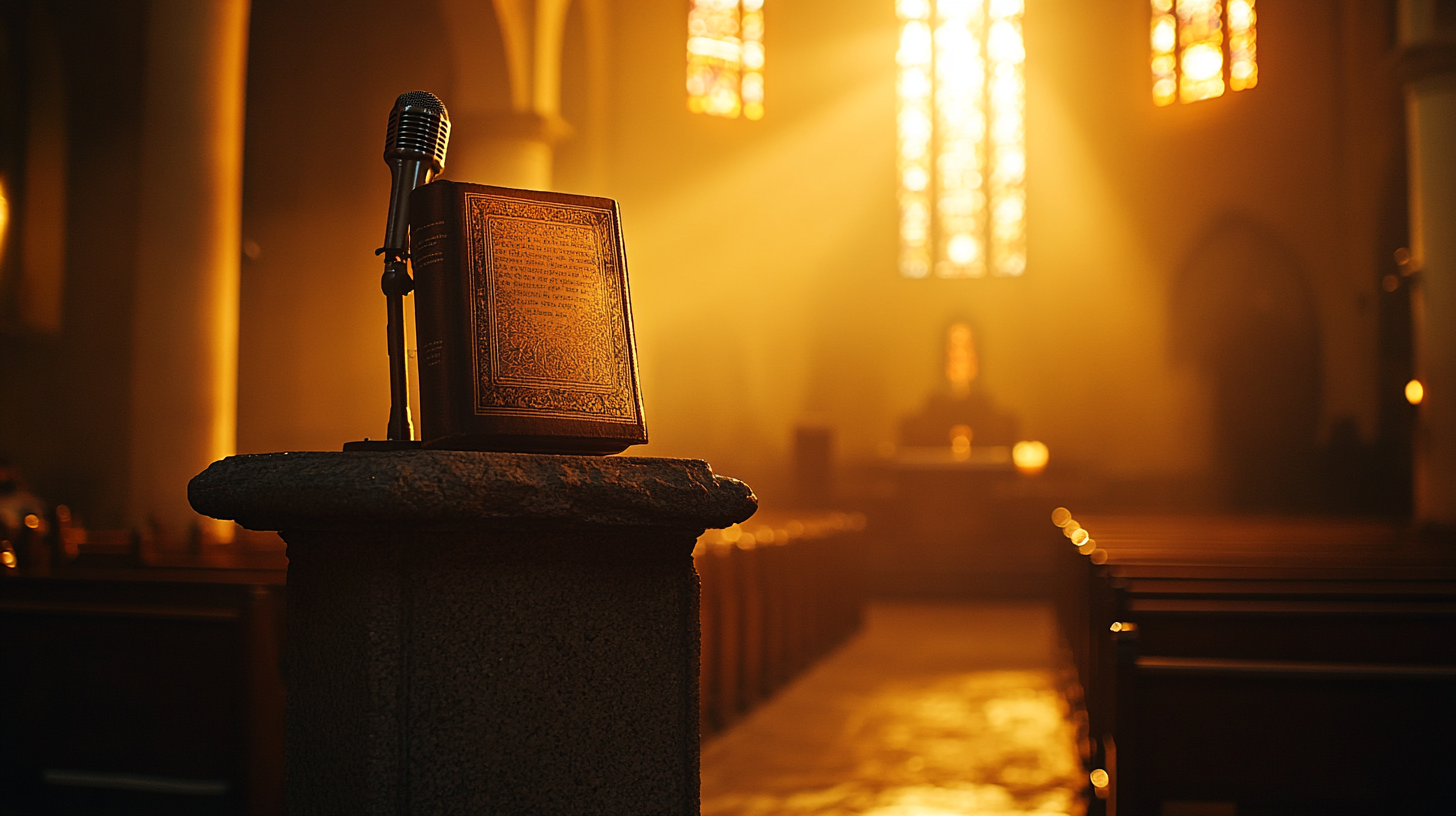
64,396
763,252
313,371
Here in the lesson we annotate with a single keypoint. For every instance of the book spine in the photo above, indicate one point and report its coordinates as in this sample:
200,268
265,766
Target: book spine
434,254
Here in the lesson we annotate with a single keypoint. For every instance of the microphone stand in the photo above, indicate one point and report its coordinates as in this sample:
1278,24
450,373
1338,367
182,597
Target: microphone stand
419,129
407,174
396,283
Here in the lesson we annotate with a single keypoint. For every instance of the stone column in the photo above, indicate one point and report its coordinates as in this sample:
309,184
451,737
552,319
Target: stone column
511,147
486,632
185,308
1429,63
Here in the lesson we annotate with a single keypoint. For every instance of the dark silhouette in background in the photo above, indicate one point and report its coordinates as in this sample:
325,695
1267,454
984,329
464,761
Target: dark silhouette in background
1244,315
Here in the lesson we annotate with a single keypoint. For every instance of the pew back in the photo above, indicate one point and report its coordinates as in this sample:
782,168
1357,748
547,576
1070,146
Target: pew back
778,592
1266,665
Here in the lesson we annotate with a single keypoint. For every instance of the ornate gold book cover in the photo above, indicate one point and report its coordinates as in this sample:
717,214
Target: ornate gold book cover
524,321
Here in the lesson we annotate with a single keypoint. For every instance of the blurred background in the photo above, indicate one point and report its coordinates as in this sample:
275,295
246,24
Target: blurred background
1211,310
916,271
1201,300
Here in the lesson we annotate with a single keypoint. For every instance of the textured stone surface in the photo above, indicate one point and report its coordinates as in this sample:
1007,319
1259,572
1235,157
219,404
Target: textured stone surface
510,673
486,632
325,490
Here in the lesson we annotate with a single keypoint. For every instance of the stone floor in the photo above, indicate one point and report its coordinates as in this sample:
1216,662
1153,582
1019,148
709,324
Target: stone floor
932,710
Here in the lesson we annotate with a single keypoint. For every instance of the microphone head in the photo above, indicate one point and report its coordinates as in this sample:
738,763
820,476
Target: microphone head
419,128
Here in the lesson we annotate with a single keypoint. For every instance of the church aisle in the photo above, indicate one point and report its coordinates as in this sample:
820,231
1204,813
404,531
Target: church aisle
933,710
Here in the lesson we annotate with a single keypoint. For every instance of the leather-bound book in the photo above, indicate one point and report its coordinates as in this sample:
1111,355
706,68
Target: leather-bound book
524,321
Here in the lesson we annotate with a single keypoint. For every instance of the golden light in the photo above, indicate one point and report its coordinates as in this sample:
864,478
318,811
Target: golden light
1030,457
1061,516
1414,392
960,442
1188,40
1080,537
962,249
961,363
725,58
962,160
753,55
1202,62
914,43
1165,35
1240,15
1243,65
914,129
913,9
1165,45
4,216
1004,43
32,521
752,88
1165,91
1007,151
1200,35
7,557
960,124
753,95
1098,557
1087,547
1099,778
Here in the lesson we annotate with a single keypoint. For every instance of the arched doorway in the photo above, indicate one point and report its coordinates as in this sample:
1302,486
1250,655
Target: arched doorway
1244,314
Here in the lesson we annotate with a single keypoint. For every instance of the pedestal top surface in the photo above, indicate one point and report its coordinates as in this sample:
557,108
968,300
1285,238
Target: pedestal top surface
451,489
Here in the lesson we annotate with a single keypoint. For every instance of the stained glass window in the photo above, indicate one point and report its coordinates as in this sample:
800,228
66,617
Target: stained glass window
725,58
1201,47
962,140
1243,67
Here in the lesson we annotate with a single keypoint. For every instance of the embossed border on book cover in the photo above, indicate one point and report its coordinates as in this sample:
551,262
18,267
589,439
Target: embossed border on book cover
549,311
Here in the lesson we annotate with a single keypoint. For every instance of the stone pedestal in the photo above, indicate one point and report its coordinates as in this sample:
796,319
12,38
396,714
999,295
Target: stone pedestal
485,632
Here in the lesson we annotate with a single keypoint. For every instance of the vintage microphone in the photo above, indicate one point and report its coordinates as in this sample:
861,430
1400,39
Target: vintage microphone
414,149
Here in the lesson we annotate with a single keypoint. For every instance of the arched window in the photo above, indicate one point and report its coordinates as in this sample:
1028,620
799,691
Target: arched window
962,138
725,58
1188,49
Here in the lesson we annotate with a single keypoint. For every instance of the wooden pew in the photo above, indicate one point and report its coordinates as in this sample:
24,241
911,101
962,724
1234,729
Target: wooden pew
1263,665
153,688
777,593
